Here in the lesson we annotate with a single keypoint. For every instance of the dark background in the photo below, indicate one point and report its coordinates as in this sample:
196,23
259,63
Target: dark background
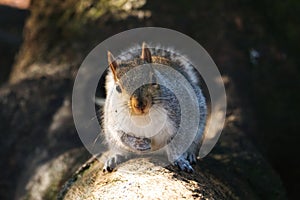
268,87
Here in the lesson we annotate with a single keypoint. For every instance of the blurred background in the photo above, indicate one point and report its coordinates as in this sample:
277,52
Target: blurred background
254,43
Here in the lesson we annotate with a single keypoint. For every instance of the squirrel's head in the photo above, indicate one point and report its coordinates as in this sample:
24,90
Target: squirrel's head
136,72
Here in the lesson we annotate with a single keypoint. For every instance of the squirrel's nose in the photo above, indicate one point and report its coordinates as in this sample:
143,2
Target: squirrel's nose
140,104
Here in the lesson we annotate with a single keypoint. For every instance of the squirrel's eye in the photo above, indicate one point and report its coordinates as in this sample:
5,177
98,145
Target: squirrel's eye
118,88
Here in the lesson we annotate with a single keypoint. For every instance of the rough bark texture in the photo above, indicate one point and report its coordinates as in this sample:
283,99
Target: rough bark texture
40,149
233,171
143,179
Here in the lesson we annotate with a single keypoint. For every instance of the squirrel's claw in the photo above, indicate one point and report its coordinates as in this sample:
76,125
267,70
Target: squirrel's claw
184,165
191,158
112,162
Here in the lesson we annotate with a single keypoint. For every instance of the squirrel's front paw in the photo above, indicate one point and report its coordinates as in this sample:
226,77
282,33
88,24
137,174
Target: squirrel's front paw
112,162
184,162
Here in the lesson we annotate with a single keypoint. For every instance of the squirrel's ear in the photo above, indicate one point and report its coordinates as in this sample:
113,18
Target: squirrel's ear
146,54
112,64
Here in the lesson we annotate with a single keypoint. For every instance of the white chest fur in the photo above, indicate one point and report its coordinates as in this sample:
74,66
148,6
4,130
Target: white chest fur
119,118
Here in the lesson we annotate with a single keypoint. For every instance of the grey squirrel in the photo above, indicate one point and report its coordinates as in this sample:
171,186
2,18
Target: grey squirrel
129,110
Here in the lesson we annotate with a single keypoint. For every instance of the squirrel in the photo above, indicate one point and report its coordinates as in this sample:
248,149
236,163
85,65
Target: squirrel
128,111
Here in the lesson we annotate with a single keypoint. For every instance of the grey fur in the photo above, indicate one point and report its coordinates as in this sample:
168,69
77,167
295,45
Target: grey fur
164,100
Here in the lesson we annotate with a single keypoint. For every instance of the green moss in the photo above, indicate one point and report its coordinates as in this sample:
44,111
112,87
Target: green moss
51,192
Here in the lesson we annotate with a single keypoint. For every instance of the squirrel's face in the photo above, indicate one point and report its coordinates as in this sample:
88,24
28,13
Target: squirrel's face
138,99
143,98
